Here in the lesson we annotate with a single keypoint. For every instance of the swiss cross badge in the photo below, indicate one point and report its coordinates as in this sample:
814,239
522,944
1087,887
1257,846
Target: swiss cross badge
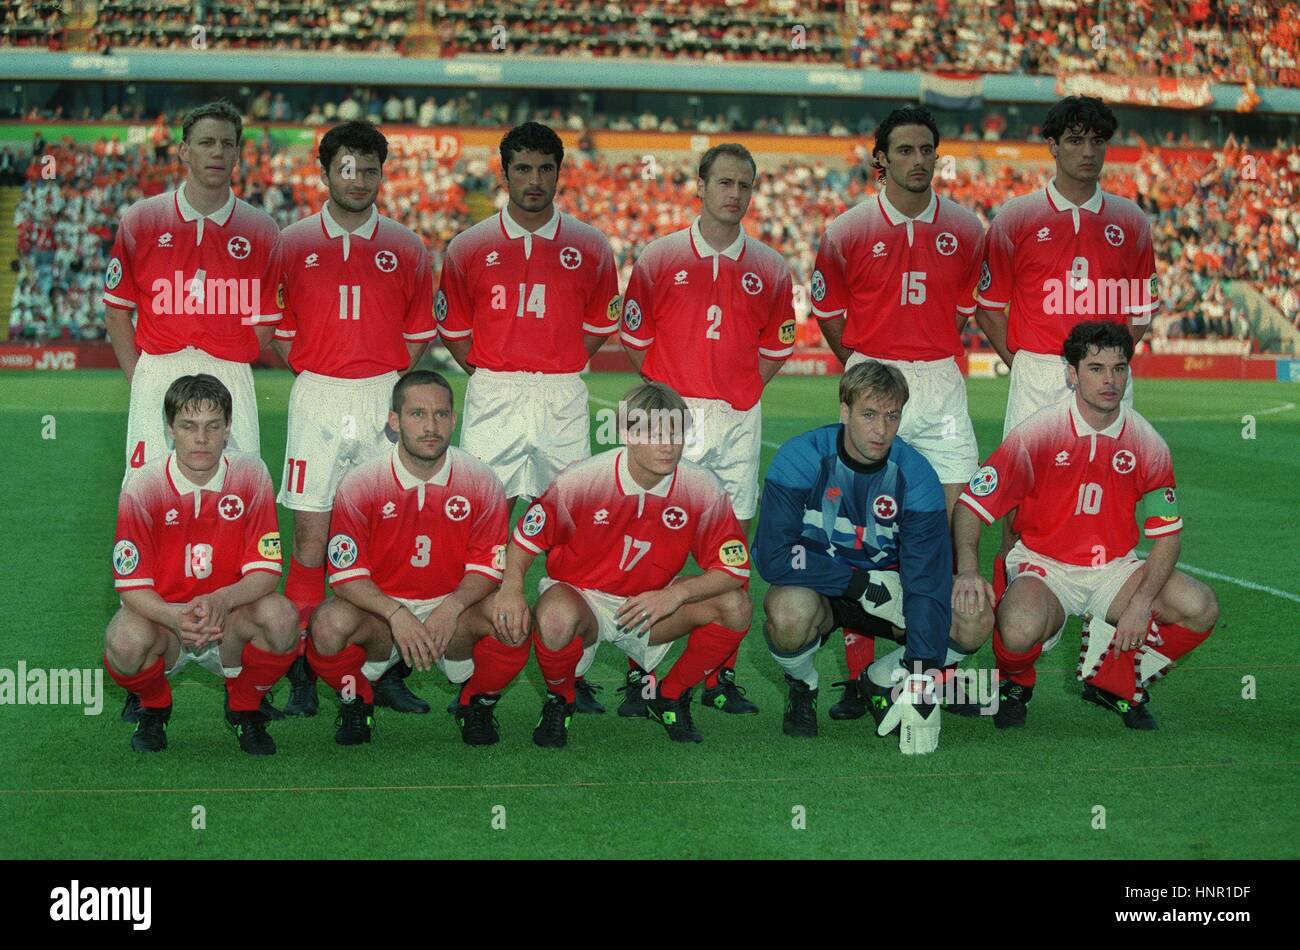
239,247
884,507
230,507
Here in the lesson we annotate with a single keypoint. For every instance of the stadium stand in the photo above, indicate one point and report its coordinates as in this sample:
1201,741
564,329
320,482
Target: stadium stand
1215,218
1226,42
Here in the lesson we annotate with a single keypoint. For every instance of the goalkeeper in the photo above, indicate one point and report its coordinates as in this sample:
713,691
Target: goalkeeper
852,532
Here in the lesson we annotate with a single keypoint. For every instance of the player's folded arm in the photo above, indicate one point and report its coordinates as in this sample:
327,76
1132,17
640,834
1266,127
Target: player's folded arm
925,572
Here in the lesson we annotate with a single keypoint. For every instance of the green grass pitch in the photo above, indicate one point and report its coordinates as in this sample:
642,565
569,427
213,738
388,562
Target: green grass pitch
1219,779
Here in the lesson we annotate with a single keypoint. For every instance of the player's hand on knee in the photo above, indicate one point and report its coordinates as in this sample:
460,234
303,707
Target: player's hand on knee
510,616
412,639
884,597
915,713
970,592
638,614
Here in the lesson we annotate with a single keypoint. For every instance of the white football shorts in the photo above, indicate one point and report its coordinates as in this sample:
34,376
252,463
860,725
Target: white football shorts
1080,589
727,441
1039,380
605,607
456,671
334,426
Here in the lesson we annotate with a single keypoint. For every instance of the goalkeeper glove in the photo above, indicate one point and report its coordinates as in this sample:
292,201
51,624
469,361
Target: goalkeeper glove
881,595
915,715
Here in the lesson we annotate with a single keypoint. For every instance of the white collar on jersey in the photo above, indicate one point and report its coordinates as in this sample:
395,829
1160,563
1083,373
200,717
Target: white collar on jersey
629,486
894,216
1081,426
184,486
189,213
514,229
409,481
704,249
366,230
1061,203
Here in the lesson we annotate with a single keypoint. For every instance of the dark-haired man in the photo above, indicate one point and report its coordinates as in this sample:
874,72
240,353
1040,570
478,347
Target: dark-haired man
525,297
1067,253
417,542
709,311
894,282
200,269
1075,473
196,562
358,310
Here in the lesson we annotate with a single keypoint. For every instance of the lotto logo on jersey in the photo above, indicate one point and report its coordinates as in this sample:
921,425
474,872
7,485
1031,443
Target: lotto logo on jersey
733,553
986,276
386,261
440,306
239,247
674,517
268,545
984,481
885,508
230,507
534,521
125,558
457,507
113,276
818,285
570,258
787,332
1123,461
632,315
342,551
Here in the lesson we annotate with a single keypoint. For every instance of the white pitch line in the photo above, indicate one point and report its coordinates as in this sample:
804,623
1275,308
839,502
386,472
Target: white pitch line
1285,407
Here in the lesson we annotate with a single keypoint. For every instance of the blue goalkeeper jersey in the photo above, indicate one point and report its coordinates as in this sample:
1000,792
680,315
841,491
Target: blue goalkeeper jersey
825,520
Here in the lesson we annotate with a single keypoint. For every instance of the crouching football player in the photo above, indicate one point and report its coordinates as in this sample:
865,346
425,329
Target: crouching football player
853,532
196,562
616,530
417,541
1076,472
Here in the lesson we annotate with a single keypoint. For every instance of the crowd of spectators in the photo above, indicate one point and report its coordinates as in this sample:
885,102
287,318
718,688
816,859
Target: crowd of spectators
1222,41
1214,218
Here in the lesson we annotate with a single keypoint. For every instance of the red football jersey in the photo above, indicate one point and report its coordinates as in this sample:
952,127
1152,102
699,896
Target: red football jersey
528,297
601,531
899,282
195,280
351,299
1059,264
417,540
184,541
1077,489
705,317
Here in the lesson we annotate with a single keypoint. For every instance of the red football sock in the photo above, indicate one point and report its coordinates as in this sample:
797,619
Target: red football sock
305,586
150,684
1178,641
346,663
1016,667
261,670
706,649
495,665
999,577
559,667
859,651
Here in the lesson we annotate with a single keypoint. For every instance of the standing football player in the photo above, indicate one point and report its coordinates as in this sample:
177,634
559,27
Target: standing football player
1067,253
200,269
196,563
616,531
709,312
358,310
417,542
1076,473
524,299
894,282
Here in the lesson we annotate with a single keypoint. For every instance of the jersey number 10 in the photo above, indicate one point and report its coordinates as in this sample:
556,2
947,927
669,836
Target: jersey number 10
1089,502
